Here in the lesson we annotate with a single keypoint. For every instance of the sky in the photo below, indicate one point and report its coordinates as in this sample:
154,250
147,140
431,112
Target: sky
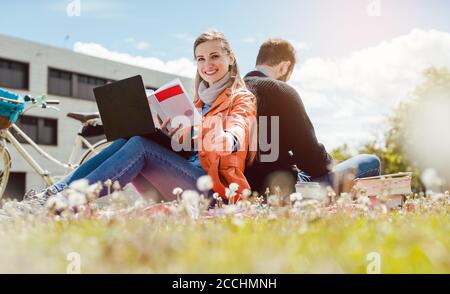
357,58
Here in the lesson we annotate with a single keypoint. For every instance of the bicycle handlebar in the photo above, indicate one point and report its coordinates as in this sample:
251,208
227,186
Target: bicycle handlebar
42,100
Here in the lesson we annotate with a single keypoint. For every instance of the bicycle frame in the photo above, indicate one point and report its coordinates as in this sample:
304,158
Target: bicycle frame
45,174
6,136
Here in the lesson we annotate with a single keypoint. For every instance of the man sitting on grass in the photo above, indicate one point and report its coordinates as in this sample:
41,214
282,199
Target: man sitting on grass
300,156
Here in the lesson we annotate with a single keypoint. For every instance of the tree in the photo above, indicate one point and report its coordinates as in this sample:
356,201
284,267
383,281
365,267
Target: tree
341,153
394,150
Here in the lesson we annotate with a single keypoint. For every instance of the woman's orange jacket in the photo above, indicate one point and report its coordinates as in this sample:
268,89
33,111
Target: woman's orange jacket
238,118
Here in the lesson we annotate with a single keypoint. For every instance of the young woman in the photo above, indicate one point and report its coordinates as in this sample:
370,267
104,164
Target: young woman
223,136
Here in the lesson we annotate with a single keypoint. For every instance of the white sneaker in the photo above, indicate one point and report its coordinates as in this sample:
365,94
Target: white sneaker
40,198
33,203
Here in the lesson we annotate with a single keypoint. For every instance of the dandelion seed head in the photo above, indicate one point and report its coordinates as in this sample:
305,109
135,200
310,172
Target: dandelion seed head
190,197
190,203
234,187
76,199
246,193
57,202
272,200
229,193
116,185
298,205
244,204
81,185
296,197
108,183
177,191
116,196
364,200
204,183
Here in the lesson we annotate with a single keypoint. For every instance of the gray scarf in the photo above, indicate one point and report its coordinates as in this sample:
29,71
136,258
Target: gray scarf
209,94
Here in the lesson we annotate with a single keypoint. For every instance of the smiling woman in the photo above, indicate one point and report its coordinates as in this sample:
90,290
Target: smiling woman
215,59
223,151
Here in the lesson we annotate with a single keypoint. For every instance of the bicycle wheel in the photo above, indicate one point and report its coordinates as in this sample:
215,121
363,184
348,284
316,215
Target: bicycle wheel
98,147
5,169
131,192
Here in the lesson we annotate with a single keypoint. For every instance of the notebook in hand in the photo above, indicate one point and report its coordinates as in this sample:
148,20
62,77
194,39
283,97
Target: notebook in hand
172,101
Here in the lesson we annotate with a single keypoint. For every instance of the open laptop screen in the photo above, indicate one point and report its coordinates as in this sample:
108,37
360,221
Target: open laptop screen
124,109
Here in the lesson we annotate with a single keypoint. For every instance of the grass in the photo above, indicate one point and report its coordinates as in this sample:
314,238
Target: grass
255,238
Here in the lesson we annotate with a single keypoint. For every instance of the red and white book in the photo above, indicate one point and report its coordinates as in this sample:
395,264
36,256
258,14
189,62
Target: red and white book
172,101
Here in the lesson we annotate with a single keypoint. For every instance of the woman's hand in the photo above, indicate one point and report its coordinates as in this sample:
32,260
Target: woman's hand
164,126
221,142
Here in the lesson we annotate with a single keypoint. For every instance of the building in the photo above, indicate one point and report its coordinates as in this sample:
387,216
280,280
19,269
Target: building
36,69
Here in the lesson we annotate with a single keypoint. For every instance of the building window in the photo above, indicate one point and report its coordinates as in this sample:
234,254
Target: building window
13,74
59,82
69,84
41,130
86,85
15,189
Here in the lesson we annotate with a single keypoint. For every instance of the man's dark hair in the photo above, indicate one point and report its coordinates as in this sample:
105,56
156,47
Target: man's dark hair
274,51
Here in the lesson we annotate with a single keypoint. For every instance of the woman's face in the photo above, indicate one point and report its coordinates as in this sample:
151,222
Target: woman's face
213,62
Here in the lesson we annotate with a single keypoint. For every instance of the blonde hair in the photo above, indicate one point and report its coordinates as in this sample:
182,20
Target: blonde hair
237,81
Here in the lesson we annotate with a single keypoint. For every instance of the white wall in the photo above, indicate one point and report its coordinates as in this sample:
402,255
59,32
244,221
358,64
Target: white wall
40,58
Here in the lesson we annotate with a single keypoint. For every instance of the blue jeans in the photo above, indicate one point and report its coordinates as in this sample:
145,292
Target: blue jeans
360,166
124,160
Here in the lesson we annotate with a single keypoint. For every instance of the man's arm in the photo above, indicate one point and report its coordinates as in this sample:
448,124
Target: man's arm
297,132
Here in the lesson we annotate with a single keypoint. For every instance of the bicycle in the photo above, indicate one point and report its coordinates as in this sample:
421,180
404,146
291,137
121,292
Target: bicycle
88,121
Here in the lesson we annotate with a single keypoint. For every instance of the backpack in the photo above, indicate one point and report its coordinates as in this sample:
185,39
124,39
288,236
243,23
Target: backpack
11,106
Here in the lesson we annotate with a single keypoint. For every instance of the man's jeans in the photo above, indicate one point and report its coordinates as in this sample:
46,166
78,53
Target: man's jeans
360,166
124,160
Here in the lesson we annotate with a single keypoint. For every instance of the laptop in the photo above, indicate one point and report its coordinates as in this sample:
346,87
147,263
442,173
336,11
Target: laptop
124,109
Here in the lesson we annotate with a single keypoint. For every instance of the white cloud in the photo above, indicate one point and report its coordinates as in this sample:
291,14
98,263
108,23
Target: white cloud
348,98
99,9
182,66
300,46
140,45
184,37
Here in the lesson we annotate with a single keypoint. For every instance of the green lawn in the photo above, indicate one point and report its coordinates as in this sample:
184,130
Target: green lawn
264,240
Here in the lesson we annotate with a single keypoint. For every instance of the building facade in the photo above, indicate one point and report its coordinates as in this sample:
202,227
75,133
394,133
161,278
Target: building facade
31,68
